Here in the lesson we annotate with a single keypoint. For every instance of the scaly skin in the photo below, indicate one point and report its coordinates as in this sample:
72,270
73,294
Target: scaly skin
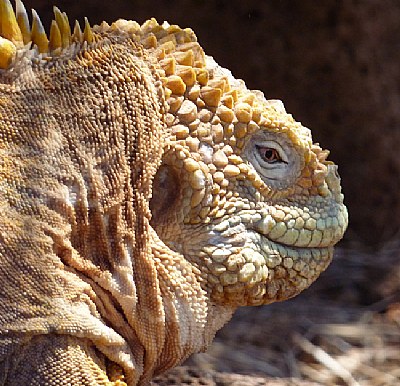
145,195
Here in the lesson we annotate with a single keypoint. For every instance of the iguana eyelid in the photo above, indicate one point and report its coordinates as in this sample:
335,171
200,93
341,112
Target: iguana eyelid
275,174
275,146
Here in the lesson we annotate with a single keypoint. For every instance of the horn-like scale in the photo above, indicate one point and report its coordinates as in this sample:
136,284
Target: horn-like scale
16,32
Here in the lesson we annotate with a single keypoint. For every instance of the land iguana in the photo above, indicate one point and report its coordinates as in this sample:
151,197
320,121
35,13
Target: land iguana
145,194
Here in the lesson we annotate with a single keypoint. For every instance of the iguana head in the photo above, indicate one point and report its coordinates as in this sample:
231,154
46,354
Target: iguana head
243,192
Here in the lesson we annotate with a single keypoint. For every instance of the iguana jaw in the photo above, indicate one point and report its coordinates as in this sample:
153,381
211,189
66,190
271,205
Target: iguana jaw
243,266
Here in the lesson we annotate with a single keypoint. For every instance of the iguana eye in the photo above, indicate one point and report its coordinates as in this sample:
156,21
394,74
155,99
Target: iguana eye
274,158
269,154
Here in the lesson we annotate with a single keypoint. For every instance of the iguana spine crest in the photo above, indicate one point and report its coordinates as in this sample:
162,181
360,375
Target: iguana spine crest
15,32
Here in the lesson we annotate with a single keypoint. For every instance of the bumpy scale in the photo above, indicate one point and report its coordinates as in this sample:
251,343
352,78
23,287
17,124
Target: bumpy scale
145,194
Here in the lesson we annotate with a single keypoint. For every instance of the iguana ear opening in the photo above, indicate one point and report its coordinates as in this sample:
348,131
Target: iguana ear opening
165,195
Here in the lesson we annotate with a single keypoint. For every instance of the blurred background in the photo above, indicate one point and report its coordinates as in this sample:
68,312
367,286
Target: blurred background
336,66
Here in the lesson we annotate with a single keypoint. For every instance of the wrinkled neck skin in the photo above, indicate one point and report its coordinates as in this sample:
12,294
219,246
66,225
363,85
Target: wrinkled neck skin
162,310
148,294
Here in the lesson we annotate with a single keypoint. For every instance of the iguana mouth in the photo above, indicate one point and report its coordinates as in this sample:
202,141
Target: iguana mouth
275,253
291,246
304,230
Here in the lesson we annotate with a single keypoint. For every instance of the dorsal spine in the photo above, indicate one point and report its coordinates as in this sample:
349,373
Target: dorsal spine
15,32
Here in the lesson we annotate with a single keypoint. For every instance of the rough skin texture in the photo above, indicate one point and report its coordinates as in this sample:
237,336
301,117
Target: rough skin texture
145,195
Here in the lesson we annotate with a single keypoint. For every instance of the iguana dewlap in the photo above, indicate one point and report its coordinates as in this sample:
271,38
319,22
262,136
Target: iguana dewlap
145,194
